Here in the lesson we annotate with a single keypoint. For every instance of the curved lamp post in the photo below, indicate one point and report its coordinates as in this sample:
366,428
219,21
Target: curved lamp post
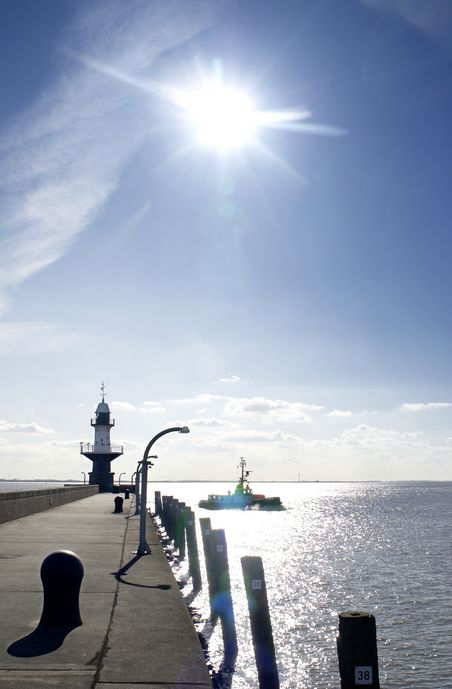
137,482
121,474
143,547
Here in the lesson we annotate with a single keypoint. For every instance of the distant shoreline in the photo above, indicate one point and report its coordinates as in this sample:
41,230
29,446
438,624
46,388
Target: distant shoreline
228,481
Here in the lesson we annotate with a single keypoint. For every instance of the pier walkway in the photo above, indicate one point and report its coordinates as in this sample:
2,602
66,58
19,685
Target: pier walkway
136,631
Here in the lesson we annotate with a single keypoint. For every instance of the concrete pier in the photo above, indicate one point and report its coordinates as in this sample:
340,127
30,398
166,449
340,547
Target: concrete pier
136,631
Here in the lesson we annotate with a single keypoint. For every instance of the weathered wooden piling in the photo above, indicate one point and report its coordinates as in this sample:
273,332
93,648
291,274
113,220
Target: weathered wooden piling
165,509
261,627
206,531
179,529
357,650
167,501
192,547
158,503
222,600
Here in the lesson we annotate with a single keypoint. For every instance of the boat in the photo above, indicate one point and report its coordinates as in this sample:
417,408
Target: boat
242,498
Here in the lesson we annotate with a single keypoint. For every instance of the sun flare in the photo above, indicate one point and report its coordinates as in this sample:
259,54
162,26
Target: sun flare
222,117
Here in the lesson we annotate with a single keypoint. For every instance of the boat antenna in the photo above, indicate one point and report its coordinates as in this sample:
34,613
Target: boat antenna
242,465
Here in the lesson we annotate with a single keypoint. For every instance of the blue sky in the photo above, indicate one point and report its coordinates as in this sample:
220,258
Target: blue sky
289,300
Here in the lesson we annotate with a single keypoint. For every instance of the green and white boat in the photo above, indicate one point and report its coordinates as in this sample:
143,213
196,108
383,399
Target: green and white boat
242,498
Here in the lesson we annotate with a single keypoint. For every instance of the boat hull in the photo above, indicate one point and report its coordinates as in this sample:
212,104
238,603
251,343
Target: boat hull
241,502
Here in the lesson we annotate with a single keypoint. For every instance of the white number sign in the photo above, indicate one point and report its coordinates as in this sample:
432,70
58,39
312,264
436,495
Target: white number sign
220,548
363,674
256,584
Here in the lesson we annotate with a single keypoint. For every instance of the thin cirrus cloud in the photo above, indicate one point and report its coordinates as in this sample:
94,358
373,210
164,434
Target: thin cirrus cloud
35,337
229,379
424,406
432,18
277,409
15,427
146,407
340,413
62,159
211,423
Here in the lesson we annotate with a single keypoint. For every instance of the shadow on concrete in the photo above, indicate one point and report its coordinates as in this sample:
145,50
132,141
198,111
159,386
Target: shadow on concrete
41,641
123,571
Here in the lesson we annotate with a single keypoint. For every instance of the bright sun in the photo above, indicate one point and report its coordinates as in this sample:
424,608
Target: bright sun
223,117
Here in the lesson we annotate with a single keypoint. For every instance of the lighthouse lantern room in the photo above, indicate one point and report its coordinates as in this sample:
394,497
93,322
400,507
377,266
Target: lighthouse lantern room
101,452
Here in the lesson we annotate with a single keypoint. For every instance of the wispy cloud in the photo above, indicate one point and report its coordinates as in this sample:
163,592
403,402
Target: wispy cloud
277,409
146,407
14,427
211,423
62,158
36,337
424,406
340,413
433,18
229,379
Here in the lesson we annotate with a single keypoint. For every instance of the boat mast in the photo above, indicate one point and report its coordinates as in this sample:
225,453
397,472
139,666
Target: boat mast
242,466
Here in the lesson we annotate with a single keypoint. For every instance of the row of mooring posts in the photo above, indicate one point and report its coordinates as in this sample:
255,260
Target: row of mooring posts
356,641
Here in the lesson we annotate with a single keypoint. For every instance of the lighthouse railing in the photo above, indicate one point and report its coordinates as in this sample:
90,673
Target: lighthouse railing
101,449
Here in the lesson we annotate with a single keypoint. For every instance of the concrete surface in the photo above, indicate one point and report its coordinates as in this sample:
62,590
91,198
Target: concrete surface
136,628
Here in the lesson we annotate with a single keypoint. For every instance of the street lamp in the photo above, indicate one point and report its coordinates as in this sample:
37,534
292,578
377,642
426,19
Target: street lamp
137,483
121,474
84,477
143,547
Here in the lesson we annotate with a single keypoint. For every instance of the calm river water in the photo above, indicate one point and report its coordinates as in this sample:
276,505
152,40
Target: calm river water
380,547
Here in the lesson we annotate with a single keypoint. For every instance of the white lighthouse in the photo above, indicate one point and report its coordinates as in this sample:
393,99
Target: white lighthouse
102,452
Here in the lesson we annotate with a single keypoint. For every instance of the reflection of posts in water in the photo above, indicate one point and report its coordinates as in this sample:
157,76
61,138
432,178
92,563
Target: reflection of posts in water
261,628
222,600
357,650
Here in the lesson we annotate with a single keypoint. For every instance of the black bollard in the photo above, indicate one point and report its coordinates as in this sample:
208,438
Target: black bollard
118,505
357,650
261,626
222,600
61,575
126,494
192,547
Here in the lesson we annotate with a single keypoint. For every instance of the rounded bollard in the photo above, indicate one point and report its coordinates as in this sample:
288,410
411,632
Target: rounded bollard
126,494
118,505
61,575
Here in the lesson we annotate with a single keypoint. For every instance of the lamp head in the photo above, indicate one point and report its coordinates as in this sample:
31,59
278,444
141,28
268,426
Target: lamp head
184,429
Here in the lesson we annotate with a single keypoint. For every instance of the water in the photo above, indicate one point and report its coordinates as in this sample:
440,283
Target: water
380,547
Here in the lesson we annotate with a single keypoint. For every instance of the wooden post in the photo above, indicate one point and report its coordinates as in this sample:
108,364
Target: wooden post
261,627
171,519
222,600
192,547
179,529
206,531
165,513
357,650
158,503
